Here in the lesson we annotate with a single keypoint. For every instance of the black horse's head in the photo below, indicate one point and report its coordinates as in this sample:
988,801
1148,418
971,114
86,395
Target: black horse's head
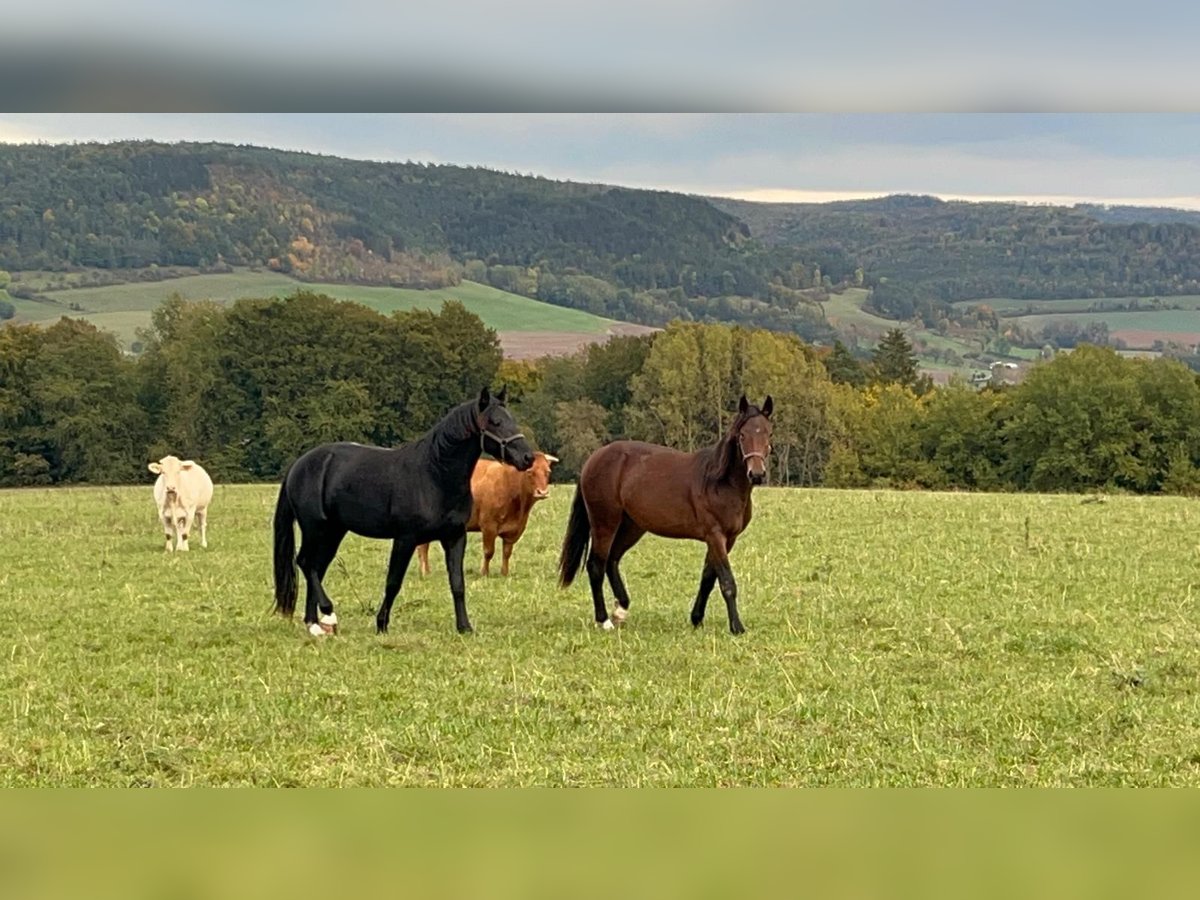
498,431
753,426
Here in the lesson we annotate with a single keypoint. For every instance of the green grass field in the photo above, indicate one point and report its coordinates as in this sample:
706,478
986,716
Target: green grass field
1163,323
893,639
123,308
1008,306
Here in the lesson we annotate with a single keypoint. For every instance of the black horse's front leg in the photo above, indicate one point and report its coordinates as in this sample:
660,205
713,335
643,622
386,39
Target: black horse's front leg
455,549
402,551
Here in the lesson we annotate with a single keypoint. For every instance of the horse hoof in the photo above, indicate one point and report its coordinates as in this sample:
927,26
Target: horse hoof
739,628
328,623
465,629
606,625
619,615
316,630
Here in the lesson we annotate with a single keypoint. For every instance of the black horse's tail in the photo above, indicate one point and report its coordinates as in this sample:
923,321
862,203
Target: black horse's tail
285,553
579,532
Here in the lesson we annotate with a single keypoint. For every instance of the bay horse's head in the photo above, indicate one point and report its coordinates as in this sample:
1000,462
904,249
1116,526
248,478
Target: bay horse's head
753,431
498,433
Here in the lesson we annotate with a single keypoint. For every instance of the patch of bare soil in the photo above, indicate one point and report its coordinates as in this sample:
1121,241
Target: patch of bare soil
1142,339
535,344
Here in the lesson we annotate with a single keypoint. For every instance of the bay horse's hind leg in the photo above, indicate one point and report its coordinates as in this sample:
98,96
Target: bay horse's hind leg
318,547
604,531
627,535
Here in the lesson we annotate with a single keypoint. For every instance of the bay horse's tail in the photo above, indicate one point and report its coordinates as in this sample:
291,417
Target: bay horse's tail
579,532
285,553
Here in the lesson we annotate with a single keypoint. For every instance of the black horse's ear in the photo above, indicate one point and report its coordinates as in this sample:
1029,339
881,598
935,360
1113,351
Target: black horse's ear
743,405
768,406
503,395
484,399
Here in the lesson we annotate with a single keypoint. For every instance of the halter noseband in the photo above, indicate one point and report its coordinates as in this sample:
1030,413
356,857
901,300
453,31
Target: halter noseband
753,453
503,442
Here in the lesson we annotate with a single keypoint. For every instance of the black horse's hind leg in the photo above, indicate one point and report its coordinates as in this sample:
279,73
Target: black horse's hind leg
627,535
456,548
708,578
402,551
317,549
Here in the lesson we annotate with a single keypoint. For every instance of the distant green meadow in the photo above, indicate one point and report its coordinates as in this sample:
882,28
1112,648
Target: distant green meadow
124,308
893,639
1147,325
1008,306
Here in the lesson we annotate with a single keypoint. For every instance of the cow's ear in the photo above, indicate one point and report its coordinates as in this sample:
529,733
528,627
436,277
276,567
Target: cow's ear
484,399
156,468
187,464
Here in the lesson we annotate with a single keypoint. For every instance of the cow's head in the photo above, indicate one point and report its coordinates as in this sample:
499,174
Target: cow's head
539,475
169,468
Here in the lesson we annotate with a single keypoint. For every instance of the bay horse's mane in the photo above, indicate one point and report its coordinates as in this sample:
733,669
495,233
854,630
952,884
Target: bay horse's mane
721,459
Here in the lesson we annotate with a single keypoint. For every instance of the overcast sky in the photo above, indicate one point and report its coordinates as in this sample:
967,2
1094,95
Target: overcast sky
1149,159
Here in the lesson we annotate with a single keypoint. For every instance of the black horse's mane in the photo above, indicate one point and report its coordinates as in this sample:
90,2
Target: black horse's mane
446,442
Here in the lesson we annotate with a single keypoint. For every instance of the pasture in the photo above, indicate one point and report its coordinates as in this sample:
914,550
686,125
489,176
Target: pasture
124,308
893,639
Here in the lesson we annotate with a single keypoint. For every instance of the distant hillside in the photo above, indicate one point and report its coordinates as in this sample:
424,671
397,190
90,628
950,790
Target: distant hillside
525,326
1151,215
633,255
646,256
920,251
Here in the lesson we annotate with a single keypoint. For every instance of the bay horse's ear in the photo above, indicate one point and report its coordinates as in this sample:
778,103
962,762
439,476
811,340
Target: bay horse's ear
484,399
503,395
743,405
768,406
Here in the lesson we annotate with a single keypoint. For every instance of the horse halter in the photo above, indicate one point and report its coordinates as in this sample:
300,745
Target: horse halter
753,453
503,442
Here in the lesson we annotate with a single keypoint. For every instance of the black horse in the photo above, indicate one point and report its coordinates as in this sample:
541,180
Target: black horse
418,492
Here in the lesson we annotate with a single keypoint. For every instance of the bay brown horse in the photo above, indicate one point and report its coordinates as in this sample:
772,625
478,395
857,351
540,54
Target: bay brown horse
628,488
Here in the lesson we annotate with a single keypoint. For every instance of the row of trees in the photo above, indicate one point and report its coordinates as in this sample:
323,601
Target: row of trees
246,388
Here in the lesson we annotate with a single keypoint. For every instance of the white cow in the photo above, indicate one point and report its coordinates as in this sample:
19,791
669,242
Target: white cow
183,491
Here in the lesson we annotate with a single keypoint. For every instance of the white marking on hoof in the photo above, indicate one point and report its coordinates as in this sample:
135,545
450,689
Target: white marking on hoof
620,614
607,625
328,623
316,630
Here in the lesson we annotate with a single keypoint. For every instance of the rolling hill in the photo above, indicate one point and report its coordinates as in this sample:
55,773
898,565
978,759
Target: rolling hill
525,325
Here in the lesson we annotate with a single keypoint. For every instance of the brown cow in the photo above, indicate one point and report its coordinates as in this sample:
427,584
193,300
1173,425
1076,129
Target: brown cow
502,498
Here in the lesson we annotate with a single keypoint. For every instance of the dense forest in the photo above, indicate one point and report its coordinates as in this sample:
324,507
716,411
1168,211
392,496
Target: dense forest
920,253
644,256
246,388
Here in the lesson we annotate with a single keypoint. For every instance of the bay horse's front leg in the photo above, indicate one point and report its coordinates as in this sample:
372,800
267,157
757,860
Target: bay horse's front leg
718,556
456,548
708,578
402,551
